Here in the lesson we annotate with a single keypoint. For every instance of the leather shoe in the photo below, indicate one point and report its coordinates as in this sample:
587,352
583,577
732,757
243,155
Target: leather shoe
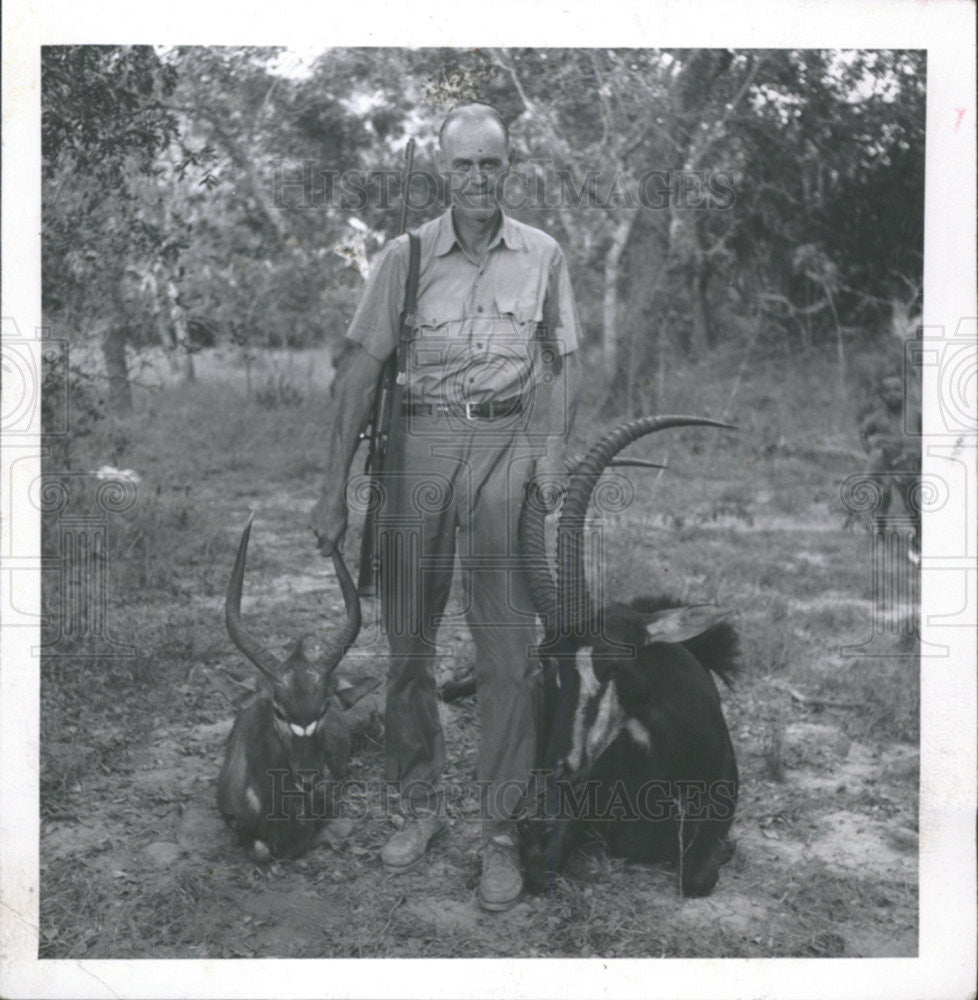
407,846
501,883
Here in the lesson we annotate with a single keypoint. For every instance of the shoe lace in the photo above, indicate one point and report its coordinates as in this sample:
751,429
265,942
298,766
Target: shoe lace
501,849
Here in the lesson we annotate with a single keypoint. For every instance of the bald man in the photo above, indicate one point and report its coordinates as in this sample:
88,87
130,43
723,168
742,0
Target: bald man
491,381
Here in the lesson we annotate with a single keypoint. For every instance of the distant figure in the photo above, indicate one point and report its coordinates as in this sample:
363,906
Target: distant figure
893,446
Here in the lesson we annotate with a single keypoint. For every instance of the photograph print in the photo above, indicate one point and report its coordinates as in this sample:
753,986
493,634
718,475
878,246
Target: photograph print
482,504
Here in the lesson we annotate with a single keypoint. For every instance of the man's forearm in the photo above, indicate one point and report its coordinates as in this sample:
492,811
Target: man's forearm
556,406
348,415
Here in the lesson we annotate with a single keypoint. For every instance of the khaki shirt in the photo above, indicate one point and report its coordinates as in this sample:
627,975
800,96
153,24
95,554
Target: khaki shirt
475,336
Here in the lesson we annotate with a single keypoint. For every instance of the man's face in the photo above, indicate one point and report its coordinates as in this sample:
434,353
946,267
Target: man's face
474,161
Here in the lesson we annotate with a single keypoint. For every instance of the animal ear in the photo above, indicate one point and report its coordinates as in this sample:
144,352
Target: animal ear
682,624
350,694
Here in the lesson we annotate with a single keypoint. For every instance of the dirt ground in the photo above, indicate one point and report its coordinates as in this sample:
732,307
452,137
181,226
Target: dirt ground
137,863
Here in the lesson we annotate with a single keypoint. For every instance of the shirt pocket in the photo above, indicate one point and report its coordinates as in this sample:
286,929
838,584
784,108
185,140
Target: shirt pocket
510,347
435,334
519,309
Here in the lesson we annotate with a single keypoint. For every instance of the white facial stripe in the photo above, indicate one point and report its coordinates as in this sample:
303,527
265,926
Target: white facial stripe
589,687
585,670
297,730
310,729
590,742
254,803
606,725
638,733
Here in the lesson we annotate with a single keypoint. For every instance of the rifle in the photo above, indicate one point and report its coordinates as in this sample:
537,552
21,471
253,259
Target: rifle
387,402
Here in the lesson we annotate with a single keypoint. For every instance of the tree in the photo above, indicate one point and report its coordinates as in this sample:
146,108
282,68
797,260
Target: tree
761,154
628,129
102,128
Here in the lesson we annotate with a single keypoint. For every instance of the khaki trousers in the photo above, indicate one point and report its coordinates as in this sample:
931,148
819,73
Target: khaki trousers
458,490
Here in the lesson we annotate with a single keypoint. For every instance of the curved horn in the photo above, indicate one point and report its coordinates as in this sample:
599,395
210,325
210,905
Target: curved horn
574,609
259,656
533,548
533,545
639,463
336,649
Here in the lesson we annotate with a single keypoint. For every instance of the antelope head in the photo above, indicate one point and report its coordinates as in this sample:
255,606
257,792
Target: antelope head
300,690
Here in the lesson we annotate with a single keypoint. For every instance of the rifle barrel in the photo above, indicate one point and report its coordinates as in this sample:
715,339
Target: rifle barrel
406,189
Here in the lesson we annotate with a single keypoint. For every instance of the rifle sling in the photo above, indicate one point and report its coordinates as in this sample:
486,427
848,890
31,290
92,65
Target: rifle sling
396,373
410,304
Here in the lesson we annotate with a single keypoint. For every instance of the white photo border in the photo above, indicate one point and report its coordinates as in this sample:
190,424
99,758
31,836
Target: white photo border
945,967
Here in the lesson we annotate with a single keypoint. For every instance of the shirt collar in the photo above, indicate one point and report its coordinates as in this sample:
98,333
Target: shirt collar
507,234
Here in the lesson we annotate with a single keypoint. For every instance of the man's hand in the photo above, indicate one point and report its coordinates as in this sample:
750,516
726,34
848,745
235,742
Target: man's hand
328,523
550,479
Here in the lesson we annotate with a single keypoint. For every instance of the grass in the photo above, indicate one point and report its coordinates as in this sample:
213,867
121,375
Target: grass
773,748
750,521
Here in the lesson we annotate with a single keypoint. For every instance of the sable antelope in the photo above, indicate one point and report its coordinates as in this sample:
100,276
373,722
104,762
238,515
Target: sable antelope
270,789
633,742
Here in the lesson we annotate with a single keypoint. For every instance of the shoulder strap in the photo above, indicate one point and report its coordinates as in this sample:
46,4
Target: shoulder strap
411,289
410,304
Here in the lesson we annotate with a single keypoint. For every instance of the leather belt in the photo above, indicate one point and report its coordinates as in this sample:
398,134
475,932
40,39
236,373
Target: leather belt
479,411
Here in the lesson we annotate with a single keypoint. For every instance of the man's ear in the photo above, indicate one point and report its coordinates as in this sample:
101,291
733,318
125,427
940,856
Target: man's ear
682,624
349,694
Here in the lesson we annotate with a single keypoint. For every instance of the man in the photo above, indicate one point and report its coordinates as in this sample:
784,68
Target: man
488,404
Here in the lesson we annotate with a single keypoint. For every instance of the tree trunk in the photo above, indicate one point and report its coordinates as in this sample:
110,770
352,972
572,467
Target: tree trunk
618,400
609,312
114,353
661,341
181,336
702,338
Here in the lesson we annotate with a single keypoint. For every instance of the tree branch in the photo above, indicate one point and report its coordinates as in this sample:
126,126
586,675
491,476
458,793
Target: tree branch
602,98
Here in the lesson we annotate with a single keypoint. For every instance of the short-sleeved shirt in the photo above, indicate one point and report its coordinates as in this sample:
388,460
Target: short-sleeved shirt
475,338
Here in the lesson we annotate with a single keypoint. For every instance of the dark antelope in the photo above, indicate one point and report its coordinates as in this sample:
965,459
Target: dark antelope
633,742
272,788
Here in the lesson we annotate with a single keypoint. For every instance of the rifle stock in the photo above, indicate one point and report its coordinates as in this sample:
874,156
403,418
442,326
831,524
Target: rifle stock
378,431
369,562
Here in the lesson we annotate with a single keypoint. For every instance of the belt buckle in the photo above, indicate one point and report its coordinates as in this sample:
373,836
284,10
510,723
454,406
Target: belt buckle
468,411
